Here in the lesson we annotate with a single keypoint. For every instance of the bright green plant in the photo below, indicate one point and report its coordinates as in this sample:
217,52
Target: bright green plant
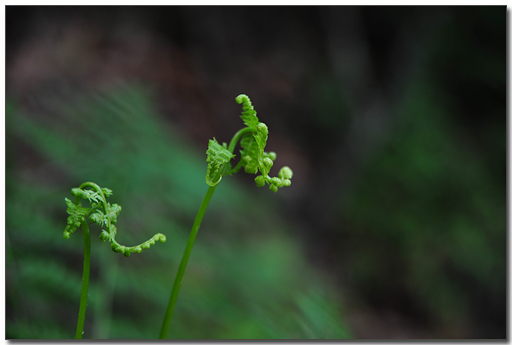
104,215
253,159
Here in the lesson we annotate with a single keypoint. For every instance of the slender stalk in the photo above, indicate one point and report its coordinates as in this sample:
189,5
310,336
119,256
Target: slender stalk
193,233
85,281
102,312
183,265
238,135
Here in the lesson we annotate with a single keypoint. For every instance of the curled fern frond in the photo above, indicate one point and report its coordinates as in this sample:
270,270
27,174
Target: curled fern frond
248,112
103,214
253,157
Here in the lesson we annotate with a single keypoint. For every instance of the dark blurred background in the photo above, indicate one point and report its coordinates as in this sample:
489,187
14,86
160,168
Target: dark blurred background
393,120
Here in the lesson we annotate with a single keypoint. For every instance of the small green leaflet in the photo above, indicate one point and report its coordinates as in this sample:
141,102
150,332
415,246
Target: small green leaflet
77,214
217,156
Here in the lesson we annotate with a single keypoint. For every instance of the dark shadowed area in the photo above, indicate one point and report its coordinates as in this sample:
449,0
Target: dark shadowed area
393,120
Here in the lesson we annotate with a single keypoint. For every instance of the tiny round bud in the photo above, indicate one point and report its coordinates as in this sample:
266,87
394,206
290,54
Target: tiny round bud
286,173
104,236
268,162
262,128
251,169
273,188
272,155
66,235
260,181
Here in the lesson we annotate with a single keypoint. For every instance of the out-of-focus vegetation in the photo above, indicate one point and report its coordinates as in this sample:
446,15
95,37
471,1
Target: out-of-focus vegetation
393,120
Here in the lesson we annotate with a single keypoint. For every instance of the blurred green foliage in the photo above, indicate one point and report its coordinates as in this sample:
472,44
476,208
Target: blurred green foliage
428,197
247,278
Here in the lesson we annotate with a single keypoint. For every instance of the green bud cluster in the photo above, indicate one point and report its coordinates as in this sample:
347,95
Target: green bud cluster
283,179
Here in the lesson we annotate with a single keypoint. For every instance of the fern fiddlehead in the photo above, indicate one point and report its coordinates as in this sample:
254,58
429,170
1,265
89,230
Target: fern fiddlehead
104,215
253,158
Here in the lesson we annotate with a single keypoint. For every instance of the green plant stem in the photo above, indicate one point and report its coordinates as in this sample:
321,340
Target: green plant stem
183,265
85,281
238,135
231,148
193,233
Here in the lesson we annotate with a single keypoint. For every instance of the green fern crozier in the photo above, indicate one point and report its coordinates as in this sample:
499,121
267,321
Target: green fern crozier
253,158
105,216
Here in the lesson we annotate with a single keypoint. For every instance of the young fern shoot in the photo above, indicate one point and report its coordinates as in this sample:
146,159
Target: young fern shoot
253,158
104,215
